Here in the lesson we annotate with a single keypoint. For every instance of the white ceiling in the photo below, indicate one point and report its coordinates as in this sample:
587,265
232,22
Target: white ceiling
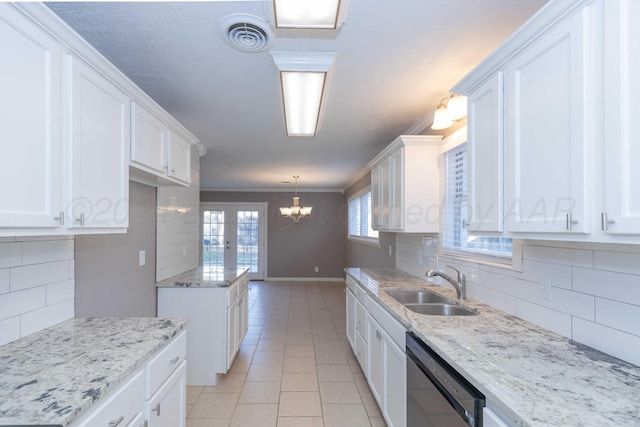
395,60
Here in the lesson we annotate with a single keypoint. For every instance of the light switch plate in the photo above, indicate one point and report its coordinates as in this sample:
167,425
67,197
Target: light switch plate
142,258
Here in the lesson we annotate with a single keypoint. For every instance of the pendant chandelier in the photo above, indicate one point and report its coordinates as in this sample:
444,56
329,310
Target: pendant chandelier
296,212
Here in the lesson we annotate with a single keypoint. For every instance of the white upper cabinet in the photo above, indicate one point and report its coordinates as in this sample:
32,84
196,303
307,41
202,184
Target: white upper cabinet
485,141
548,89
30,84
405,185
99,145
158,154
149,141
621,213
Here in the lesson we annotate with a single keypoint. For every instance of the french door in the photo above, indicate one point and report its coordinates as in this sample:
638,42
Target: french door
233,237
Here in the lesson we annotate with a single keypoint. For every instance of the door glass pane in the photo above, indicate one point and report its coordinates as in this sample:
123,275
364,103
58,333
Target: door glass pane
213,241
247,240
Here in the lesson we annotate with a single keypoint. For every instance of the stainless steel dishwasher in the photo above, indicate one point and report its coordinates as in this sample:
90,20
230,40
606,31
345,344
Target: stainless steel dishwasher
437,395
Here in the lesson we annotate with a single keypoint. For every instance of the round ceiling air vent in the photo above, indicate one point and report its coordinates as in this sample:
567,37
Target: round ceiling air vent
247,33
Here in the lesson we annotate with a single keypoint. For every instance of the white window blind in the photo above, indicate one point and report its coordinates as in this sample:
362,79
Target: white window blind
455,236
360,216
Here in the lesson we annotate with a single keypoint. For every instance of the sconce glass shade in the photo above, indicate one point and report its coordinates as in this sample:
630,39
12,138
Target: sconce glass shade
457,107
306,13
441,118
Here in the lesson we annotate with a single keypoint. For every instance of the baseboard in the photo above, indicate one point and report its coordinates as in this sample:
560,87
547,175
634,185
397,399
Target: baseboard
304,279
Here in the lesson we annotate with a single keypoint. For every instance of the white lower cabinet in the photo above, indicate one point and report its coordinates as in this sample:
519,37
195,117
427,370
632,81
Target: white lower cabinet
218,323
153,396
167,406
378,343
491,419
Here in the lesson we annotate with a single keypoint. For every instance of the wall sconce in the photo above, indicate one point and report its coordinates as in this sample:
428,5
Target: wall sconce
447,113
315,14
303,77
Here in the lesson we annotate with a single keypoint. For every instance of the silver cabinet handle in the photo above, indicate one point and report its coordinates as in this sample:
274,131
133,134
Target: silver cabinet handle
156,409
81,220
174,360
570,221
117,422
60,218
173,171
605,221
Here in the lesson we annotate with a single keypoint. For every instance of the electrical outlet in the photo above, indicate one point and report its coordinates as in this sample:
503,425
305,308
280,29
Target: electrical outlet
142,258
184,251
544,288
316,269
390,250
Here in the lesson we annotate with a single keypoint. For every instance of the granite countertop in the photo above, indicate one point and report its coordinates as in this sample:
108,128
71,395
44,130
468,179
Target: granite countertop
532,376
203,278
55,375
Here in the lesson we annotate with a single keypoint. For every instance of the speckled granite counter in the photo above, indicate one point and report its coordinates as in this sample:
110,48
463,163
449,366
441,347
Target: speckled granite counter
203,278
532,376
55,375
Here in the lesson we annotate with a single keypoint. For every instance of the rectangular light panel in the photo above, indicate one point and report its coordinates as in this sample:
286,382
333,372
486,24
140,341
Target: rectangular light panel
302,94
306,13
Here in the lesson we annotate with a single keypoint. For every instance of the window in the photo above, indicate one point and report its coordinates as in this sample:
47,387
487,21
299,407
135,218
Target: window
360,217
455,236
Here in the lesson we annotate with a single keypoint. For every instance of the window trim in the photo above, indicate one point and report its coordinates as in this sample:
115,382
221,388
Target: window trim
513,262
367,240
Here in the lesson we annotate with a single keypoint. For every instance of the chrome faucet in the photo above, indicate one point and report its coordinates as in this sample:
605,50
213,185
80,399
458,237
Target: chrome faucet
460,285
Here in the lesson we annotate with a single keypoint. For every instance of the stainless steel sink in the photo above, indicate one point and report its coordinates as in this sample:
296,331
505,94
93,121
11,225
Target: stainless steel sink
416,297
440,309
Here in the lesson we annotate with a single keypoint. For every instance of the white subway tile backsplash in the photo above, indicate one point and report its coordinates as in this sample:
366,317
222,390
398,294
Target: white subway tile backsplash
618,315
609,340
555,321
564,256
29,276
5,285
622,262
46,251
37,320
61,291
594,298
616,286
10,254
16,303
9,329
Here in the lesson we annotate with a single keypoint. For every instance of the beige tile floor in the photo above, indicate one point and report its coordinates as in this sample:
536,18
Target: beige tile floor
295,367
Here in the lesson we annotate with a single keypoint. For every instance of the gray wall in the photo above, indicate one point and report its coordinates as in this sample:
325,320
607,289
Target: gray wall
294,250
358,254
109,281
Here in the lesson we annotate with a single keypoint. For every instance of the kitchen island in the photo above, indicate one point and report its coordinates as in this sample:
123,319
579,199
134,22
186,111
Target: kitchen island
217,304
529,375
57,376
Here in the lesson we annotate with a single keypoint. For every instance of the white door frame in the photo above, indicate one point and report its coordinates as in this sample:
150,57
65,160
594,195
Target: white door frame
262,230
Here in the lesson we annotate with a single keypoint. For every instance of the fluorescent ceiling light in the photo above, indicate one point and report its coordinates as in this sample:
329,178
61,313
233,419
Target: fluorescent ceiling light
303,78
309,13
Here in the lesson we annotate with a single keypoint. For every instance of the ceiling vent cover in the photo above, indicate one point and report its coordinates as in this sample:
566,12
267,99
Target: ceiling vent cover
247,33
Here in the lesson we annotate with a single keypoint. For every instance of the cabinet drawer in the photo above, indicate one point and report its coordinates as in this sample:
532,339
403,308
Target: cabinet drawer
162,365
361,294
233,292
351,283
361,320
121,406
391,326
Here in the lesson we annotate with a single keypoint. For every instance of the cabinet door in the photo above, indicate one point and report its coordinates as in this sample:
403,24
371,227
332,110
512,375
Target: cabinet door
232,332
375,356
485,141
394,405
351,318
167,407
547,107
149,141
30,121
385,194
375,197
99,138
243,316
179,158
621,112
396,188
